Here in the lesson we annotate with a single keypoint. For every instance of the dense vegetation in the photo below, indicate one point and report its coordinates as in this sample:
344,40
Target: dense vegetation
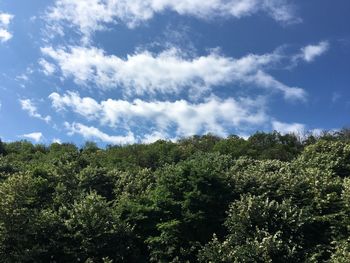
270,198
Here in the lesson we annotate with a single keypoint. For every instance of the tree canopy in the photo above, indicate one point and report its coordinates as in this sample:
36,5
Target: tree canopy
268,198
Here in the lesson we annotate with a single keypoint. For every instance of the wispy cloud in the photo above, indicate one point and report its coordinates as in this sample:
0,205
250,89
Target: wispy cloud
285,128
155,136
168,72
90,16
336,96
35,136
29,106
299,129
5,20
90,132
168,120
47,68
214,115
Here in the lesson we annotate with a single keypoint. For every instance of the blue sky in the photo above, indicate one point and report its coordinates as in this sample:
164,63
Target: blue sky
129,71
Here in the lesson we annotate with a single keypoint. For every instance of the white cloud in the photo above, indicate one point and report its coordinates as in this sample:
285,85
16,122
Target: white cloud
181,117
309,53
55,140
25,77
92,15
47,68
94,133
4,35
5,20
301,130
28,105
167,72
281,11
87,107
155,136
35,136
318,132
22,77
286,128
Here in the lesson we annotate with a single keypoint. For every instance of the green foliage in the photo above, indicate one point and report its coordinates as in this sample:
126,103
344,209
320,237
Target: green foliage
332,156
191,198
274,146
133,184
342,253
2,148
260,230
94,232
270,198
205,143
144,156
233,145
23,219
97,179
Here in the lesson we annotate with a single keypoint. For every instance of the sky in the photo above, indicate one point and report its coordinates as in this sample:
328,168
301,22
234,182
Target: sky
134,71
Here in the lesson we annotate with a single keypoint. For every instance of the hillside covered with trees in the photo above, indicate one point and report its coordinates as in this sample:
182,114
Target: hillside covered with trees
269,198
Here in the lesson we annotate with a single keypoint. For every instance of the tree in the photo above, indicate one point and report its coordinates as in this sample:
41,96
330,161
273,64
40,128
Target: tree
96,179
23,221
2,148
94,232
332,156
233,145
260,230
271,198
191,199
274,146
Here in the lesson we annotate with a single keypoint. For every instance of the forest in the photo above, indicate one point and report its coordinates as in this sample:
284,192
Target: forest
268,198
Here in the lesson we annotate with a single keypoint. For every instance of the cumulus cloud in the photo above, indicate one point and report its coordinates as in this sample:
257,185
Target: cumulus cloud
92,15
87,107
181,117
5,20
310,52
94,133
167,72
29,106
286,128
35,136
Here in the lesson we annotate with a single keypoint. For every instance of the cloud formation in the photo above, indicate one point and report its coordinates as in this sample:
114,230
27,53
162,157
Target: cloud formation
35,136
167,120
309,53
180,117
47,68
5,20
286,128
29,106
89,132
92,15
167,72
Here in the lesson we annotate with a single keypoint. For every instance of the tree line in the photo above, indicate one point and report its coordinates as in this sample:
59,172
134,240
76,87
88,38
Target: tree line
267,198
